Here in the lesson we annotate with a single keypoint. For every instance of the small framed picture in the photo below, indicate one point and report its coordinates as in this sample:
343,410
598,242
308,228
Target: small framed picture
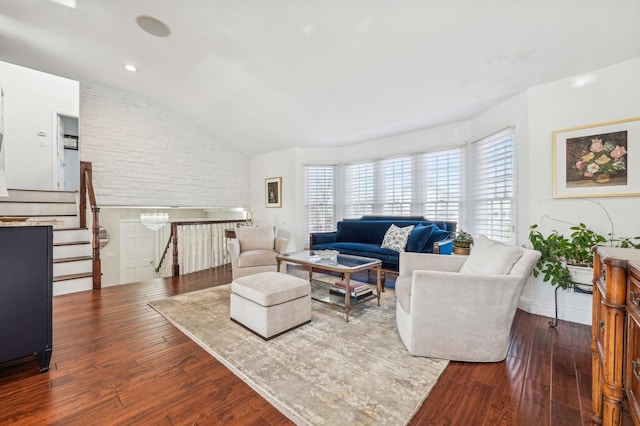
273,192
597,160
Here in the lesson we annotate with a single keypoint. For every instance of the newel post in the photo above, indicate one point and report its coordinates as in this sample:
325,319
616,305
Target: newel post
174,238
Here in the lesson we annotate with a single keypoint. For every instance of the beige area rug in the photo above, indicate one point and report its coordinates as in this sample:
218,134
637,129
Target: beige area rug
328,372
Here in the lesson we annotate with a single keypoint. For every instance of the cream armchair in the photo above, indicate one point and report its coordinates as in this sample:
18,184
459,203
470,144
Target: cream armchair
461,308
254,250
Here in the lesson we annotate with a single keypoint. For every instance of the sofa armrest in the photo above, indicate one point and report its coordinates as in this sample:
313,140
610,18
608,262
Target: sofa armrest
410,262
281,245
443,246
322,238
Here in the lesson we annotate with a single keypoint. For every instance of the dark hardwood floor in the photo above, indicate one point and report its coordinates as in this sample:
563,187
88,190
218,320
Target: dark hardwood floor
116,361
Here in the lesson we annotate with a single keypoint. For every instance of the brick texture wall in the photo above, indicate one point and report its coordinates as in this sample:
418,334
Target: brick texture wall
144,154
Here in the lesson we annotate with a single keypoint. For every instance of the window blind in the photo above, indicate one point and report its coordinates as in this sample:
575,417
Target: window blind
492,186
395,186
320,198
428,184
359,189
444,184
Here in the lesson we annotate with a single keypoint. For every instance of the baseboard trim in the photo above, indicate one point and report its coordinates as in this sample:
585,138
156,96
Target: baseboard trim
566,313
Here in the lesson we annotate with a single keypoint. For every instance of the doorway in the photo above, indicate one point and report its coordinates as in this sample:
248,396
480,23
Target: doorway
68,153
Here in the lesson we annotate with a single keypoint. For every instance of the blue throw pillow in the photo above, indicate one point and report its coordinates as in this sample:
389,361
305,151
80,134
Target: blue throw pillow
419,237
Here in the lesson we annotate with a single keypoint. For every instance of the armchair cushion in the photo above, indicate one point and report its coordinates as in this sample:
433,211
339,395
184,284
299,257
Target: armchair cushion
490,257
256,238
260,257
396,238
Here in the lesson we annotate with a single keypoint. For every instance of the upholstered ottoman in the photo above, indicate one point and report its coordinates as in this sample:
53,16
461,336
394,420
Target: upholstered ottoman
270,303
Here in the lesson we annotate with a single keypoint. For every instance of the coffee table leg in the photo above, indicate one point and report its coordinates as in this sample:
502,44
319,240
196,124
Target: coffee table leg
347,295
379,286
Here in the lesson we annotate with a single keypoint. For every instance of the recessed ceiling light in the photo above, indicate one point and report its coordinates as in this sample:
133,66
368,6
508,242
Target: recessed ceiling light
153,26
131,68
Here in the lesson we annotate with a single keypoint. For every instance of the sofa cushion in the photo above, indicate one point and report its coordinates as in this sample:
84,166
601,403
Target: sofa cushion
363,231
396,238
419,237
255,238
490,257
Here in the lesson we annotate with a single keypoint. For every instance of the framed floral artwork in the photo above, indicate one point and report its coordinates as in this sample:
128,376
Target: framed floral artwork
597,160
273,192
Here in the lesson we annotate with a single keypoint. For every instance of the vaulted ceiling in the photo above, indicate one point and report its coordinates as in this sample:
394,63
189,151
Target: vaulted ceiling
262,75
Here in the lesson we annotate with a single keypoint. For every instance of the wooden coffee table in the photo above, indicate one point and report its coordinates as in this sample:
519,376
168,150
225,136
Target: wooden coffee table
342,264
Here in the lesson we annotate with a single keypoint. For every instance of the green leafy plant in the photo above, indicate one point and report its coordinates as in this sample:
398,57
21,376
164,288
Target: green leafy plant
559,251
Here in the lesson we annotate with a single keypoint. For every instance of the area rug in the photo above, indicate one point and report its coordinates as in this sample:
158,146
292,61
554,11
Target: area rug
328,372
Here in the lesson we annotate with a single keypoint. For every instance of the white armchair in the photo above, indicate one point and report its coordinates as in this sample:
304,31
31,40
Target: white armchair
461,308
254,250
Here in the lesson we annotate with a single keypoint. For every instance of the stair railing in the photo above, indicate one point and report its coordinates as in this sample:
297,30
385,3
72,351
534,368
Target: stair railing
199,244
86,189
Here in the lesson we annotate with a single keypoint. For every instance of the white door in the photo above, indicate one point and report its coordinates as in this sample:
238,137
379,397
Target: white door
137,247
60,154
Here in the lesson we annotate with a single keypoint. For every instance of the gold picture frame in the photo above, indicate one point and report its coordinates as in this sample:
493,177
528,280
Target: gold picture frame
273,192
597,160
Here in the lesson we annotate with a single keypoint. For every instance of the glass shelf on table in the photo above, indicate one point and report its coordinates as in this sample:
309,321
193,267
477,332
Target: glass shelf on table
320,292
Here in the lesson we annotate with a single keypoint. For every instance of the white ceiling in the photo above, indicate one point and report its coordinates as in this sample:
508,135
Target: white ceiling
263,75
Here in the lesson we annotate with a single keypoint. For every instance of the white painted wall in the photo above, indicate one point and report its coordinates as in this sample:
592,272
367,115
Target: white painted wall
144,154
276,164
32,99
613,94
535,113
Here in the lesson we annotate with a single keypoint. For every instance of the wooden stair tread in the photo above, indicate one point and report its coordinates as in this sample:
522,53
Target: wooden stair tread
72,276
71,243
72,259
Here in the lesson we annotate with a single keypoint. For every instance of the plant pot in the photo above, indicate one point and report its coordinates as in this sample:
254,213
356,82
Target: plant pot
462,250
602,178
463,244
581,277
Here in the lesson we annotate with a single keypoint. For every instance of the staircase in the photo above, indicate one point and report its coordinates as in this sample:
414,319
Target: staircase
72,251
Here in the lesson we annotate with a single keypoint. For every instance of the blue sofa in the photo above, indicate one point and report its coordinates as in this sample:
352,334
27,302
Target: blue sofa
363,237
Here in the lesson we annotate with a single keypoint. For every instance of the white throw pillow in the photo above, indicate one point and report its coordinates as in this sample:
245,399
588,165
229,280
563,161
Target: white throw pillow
490,257
396,238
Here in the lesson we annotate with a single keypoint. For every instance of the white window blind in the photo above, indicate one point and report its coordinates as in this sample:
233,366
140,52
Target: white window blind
320,198
443,190
428,184
395,186
492,186
359,189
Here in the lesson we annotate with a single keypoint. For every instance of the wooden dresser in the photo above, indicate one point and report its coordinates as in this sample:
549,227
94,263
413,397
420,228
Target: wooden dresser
615,335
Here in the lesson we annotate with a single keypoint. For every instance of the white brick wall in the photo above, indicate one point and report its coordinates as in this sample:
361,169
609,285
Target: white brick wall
145,154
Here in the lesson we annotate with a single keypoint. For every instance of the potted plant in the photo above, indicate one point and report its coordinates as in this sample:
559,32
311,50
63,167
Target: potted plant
565,261
462,242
